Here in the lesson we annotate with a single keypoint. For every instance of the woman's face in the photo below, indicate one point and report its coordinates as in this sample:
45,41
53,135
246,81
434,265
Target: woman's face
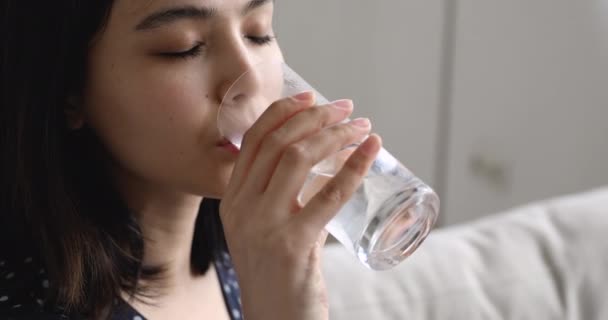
156,77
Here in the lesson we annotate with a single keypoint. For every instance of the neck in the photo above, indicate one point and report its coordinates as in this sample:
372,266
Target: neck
167,221
168,232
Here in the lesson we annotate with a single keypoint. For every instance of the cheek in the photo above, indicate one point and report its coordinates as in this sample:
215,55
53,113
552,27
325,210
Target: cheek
156,127
156,109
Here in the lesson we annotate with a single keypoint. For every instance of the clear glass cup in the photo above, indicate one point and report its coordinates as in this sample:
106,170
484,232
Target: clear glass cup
389,215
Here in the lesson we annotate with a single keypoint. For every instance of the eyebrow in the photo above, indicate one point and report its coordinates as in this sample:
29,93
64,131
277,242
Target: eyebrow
171,15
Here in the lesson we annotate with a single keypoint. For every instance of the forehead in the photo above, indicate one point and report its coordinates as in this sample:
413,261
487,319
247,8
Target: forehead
133,9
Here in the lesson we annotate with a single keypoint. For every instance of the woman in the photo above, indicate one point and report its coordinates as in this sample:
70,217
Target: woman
111,161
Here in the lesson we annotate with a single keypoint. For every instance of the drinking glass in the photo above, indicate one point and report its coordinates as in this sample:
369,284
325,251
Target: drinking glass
392,211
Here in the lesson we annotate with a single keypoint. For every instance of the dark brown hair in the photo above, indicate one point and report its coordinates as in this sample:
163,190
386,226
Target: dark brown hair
56,199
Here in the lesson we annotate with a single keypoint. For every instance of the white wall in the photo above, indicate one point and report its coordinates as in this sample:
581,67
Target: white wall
530,92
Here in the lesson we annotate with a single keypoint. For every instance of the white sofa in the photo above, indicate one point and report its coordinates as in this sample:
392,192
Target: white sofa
547,260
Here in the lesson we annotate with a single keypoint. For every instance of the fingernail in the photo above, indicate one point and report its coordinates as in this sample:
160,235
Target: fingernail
368,147
344,104
304,96
361,123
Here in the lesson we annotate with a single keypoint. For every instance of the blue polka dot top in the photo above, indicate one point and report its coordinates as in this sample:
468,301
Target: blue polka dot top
19,299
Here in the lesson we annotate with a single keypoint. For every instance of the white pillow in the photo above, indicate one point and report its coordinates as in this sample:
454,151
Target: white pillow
544,261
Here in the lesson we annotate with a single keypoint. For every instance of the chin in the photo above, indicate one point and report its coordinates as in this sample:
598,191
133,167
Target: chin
210,179
209,186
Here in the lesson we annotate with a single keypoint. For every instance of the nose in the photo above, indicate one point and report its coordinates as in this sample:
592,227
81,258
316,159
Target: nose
243,85
238,77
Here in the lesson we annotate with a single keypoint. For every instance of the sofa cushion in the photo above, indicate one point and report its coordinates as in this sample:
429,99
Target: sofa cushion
547,260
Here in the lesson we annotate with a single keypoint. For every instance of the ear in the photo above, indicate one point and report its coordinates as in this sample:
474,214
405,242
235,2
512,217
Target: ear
74,113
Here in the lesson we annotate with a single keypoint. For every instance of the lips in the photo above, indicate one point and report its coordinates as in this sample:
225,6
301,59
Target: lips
224,142
228,146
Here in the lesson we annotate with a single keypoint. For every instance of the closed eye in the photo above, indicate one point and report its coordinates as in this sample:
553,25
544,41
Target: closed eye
261,40
192,52
197,49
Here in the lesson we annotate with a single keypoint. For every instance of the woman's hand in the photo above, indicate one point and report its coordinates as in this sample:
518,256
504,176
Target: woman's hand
274,241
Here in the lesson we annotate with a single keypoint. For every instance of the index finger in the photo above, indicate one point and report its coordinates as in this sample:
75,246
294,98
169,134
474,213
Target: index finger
272,118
